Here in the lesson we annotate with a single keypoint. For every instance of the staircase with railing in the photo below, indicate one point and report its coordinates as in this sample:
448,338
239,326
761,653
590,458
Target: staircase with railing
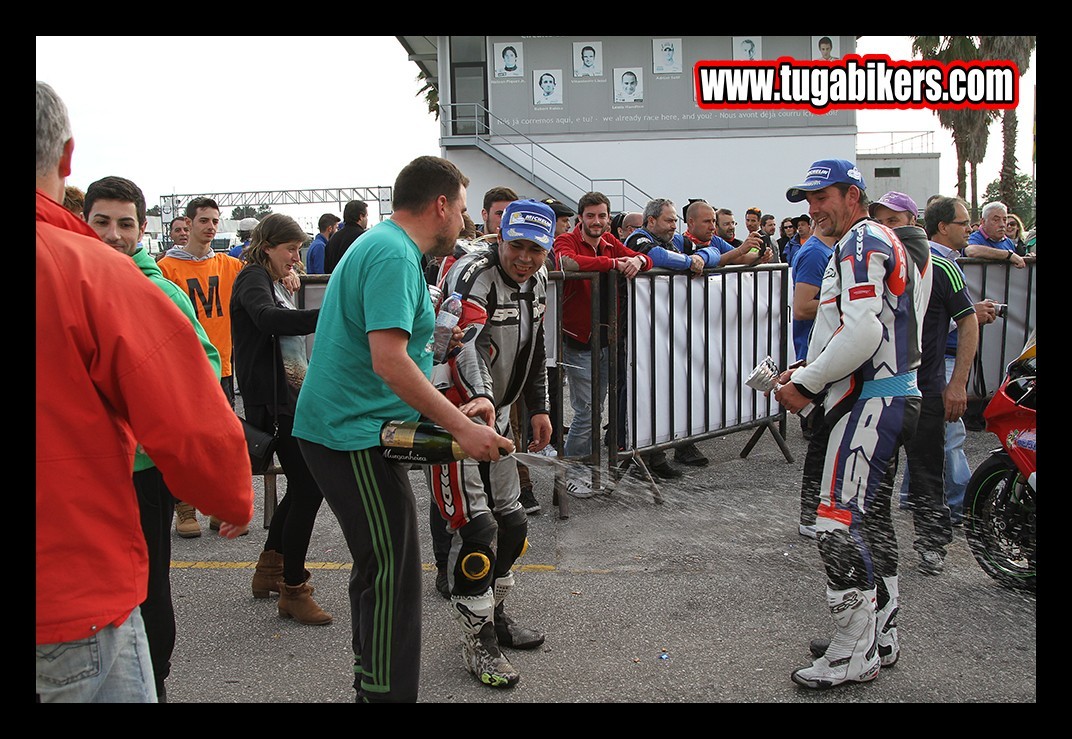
472,123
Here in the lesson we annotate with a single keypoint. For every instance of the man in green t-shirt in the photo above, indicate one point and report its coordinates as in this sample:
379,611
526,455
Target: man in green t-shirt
370,364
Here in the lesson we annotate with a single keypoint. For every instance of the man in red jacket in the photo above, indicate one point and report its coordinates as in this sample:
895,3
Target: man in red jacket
116,361
589,247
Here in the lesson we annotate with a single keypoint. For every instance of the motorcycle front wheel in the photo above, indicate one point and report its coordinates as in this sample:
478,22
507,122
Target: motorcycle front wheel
999,522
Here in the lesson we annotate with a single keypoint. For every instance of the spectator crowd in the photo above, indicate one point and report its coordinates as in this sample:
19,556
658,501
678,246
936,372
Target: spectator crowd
137,368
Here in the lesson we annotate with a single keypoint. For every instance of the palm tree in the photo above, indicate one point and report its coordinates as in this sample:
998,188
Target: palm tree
430,92
1016,49
970,128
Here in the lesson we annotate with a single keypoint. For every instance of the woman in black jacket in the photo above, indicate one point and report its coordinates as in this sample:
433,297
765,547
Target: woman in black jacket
270,361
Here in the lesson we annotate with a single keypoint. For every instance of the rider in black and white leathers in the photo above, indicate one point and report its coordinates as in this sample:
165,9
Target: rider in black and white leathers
480,500
507,361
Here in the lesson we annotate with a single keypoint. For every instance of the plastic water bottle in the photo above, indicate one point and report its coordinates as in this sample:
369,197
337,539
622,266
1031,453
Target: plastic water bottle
447,318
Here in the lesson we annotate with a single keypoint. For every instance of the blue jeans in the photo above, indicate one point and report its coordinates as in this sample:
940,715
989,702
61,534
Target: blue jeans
957,470
113,666
578,366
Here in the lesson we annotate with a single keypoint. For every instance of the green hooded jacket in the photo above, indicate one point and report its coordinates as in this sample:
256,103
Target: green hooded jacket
148,267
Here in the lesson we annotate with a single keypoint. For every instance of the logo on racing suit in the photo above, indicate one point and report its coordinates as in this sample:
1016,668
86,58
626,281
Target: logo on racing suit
861,291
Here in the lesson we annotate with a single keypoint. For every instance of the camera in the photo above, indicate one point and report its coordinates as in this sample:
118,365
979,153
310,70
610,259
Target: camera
1000,309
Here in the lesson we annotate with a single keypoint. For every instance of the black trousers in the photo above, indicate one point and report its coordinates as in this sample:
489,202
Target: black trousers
157,509
926,485
294,518
374,504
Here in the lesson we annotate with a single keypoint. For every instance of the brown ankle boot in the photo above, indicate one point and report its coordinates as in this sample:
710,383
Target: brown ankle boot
296,601
269,574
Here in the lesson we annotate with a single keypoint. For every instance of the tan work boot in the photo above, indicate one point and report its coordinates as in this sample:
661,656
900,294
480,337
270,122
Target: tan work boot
269,574
296,602
186,524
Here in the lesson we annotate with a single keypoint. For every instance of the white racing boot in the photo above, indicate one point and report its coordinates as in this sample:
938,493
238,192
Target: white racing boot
853,652
480,648
889,648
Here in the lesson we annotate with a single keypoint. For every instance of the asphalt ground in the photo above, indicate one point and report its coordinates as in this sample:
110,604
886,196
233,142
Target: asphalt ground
710,596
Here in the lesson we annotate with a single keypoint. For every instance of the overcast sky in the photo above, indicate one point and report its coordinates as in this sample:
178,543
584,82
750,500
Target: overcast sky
196,114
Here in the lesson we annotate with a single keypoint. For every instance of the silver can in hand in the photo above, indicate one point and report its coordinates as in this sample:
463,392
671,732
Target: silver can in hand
764,378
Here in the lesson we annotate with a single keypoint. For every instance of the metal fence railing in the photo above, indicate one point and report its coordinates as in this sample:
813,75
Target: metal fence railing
682,346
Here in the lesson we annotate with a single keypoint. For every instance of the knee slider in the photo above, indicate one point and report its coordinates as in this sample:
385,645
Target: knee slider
844,563
476,559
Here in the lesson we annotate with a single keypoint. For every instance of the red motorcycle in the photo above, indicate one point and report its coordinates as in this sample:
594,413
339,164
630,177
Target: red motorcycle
999,504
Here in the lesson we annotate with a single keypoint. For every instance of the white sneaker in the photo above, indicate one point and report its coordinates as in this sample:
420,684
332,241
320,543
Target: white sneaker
808,531
547,451
578,489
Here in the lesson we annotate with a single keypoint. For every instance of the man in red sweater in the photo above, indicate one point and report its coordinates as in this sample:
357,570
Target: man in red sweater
116,361
589,247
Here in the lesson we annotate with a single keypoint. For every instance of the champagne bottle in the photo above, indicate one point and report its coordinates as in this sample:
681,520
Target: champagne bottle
419,442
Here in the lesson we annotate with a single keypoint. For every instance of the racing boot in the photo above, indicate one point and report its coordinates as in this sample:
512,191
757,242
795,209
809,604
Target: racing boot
480,648
507,631
889,648
853,652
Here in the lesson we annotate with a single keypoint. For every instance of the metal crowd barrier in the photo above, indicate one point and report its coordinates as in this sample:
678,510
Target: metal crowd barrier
687,345
1003,340
690,342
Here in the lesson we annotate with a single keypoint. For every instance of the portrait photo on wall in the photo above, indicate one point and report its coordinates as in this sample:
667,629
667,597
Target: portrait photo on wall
666,55
827,48
508,59
747,48
546,87
628,85
587,58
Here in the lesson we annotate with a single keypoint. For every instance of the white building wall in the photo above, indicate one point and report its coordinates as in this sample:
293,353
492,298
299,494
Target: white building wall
919,175
735,173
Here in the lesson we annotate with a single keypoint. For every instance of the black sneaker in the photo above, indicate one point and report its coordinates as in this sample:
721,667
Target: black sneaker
689,454
528,501
665,471
931,562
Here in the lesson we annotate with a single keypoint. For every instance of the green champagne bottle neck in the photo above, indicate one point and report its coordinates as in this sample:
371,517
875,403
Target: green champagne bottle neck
419,442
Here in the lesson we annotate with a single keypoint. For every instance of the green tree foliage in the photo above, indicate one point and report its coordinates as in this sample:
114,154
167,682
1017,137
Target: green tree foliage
248,211
1016,49
1022,202
430,92
154,211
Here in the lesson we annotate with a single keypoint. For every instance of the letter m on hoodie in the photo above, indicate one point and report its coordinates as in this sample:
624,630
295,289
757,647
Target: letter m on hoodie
206,303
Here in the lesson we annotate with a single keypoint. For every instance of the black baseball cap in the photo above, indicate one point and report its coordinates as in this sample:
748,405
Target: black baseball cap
560,208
